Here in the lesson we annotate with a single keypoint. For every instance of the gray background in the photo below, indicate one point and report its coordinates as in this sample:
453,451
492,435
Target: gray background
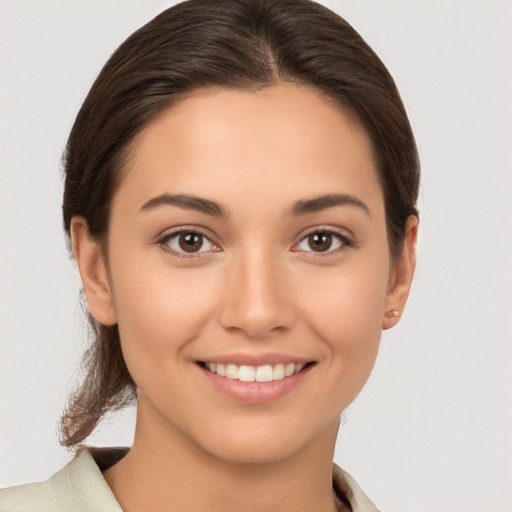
432,429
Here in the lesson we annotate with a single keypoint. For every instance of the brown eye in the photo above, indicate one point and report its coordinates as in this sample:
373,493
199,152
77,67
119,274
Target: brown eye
190,242
323,242
185,243
320,242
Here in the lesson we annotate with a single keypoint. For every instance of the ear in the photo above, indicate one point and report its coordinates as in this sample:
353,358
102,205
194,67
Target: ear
93,271
401,276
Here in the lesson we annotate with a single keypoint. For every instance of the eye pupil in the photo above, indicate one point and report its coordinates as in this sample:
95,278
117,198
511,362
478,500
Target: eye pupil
191,242
320,242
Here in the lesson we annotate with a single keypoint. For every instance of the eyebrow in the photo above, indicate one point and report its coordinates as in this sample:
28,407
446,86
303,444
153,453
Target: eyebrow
317,204
187,202
301,207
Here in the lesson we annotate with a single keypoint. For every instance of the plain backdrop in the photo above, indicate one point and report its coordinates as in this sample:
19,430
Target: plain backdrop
432,430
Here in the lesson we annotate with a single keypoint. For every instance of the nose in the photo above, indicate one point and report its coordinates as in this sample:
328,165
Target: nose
257,301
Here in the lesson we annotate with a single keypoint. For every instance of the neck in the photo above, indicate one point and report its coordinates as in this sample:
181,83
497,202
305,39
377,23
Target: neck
163,472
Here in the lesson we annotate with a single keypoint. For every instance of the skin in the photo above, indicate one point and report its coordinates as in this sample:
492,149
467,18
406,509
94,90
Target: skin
255,288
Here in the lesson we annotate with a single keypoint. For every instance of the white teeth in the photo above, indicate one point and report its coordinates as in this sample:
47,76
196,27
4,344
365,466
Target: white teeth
264,373
246,373
232,371
288,371
278,372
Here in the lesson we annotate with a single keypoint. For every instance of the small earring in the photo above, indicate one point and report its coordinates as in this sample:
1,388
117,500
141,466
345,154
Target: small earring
392,314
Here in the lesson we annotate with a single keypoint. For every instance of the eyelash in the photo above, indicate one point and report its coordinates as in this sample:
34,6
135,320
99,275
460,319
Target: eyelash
345,242
163,242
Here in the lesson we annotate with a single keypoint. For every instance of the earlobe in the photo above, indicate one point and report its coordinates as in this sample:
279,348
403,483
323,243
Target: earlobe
402,274
93,272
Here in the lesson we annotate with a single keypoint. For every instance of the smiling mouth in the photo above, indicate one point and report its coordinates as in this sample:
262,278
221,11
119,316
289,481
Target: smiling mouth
263,373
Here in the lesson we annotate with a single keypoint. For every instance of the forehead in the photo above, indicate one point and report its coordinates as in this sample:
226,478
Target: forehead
283,139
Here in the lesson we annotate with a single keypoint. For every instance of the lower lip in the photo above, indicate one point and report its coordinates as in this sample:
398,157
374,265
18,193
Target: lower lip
255,392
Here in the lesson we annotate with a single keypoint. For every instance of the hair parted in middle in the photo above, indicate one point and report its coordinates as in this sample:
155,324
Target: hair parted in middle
237,44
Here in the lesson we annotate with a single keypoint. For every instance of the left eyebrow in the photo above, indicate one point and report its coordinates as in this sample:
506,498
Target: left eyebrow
317,204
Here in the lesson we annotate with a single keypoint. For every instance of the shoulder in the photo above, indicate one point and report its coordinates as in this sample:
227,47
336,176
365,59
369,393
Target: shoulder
79,487
346,487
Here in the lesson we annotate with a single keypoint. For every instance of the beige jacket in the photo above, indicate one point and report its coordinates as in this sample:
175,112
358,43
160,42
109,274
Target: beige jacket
80,487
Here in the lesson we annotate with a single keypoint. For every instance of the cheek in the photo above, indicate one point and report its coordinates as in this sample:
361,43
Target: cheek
159,311
345,311
347,300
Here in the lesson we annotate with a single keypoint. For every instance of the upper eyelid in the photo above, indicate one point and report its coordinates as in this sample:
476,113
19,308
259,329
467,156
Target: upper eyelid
170,232
341,232
348,240
166,235
174,234
163,240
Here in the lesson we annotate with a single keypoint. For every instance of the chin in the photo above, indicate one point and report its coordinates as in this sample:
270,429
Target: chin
253,451
265,444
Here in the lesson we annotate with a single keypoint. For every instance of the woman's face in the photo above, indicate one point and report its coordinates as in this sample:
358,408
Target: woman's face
249,238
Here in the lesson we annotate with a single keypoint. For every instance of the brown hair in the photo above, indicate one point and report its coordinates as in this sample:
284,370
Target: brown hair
241,44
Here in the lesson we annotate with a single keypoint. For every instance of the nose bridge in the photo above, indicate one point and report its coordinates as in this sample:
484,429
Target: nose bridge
257,300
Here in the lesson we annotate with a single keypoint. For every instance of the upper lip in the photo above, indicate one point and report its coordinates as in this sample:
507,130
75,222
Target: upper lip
256,359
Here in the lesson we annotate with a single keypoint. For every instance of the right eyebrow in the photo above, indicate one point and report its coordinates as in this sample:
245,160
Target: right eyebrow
187,202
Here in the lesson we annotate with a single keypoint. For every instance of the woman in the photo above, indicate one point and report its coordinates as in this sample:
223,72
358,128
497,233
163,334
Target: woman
240,197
